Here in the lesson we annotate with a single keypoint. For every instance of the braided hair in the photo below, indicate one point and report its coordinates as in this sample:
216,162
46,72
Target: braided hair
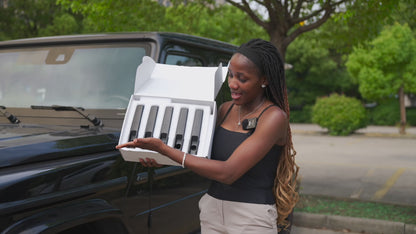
271,65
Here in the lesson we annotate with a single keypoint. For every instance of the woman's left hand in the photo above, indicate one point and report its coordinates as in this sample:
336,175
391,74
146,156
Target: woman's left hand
153,144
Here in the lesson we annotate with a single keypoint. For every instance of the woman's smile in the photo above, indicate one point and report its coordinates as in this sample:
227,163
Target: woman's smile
235,95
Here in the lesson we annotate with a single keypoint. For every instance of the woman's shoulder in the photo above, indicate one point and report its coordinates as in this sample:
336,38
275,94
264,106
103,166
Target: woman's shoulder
274,114
273,122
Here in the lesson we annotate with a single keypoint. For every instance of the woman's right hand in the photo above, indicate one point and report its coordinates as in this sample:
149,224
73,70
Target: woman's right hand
149,162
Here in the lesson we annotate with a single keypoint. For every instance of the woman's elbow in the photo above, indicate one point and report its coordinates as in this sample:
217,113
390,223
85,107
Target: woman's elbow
226,178
226,174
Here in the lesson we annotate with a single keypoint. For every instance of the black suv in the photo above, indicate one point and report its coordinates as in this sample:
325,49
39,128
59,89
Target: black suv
62,105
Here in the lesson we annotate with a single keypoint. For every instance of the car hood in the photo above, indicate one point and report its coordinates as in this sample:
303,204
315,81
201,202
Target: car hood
22,144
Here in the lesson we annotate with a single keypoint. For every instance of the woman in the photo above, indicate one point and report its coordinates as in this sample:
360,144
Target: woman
252,166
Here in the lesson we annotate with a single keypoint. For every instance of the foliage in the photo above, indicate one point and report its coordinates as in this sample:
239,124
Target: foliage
117,16
61,25
411,116
341,115
191,18
356,208
314,73
387,113
303,115
22,19
387,66
218,23
388,63
362,21
405,12
284,21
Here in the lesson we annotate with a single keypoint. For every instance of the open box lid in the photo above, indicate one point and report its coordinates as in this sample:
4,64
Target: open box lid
184,82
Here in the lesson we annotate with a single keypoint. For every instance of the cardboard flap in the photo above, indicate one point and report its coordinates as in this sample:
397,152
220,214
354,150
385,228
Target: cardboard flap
172,81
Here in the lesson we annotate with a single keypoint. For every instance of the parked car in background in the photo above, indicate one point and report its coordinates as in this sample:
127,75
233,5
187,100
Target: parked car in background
62,105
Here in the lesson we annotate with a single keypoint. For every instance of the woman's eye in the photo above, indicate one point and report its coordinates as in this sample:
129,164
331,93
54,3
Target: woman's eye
242,79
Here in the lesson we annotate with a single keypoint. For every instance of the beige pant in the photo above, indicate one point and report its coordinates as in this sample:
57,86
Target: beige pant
219,216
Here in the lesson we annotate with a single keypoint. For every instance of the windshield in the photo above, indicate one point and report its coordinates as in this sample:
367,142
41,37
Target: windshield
92,76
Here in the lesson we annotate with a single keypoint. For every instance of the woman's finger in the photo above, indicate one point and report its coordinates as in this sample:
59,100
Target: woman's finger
154,163
128,144
143,162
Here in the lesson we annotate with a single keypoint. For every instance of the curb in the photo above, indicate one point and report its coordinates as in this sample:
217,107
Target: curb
352,224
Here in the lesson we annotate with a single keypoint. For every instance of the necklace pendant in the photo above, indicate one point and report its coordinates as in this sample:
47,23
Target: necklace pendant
239,123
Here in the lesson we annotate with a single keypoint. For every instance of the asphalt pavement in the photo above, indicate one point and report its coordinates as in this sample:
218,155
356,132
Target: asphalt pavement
373,164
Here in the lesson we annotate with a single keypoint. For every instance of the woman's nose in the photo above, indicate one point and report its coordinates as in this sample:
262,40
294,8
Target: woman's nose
232,84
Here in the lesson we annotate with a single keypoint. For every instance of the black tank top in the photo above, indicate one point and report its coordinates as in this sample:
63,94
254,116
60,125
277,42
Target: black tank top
256,185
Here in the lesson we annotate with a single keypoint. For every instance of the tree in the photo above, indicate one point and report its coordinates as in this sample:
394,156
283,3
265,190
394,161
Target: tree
117,16
191,18
61,25
387,66
405,13
217,23
314,73
23,18
286,20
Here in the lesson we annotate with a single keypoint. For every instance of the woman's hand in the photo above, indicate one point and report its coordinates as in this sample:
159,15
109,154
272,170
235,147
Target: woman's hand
149,162
153,144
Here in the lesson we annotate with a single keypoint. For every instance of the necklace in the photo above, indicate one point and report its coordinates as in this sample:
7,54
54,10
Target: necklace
255,109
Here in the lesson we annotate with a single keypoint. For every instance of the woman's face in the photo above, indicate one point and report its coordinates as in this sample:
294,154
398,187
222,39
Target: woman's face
244,81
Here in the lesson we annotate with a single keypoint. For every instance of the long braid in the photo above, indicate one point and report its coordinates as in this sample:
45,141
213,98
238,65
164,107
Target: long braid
267,58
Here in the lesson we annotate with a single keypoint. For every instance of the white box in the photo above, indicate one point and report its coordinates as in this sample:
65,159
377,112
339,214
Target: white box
162,86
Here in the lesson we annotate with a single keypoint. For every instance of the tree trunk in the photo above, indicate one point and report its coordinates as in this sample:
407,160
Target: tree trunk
402,111
277,40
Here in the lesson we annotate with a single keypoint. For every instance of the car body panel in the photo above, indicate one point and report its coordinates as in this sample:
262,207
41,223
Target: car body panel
54,158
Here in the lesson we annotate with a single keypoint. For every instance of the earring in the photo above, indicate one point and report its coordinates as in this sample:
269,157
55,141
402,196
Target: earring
263,86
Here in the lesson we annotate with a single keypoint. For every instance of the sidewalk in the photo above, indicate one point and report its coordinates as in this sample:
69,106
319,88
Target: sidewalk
381,131
306,223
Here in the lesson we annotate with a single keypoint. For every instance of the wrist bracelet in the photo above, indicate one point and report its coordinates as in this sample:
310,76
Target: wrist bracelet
183,160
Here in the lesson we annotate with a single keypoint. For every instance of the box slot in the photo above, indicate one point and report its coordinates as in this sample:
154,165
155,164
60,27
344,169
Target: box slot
134,129
151,121
196,131
167,119
180,129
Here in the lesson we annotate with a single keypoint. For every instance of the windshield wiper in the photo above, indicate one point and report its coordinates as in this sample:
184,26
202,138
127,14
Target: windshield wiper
94,120
13,119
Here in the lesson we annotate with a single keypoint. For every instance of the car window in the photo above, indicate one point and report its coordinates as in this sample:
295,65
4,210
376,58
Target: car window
92,76
183,60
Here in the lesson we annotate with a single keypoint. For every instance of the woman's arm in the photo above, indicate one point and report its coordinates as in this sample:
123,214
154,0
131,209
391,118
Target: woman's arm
271,129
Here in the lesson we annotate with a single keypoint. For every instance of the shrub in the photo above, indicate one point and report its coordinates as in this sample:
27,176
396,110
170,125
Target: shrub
386,113
341,115
301,115
411,116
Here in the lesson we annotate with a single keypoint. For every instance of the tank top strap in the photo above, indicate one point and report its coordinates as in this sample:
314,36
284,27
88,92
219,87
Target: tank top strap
226,114
265,110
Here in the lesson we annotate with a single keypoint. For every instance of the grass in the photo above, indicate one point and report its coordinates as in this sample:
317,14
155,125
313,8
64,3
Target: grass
356,208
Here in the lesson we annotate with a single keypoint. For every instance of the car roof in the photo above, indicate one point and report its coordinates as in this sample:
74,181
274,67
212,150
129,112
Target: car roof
161,37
